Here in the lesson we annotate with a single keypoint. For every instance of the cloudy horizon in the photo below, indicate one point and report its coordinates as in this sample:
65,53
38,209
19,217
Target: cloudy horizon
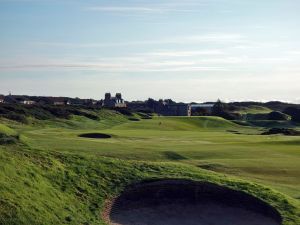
188,51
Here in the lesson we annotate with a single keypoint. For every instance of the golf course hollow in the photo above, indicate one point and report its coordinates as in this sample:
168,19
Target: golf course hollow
95,135
186,202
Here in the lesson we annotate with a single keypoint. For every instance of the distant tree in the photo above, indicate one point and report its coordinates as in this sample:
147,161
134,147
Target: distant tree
151,103
219,108
169,101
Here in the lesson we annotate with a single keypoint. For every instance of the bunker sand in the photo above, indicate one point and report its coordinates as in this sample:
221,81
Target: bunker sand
189,214
184,202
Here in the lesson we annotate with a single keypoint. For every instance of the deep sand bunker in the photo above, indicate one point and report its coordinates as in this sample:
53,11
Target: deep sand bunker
184,202
95,135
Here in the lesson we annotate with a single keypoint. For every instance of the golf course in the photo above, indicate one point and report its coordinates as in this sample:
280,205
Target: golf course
76,170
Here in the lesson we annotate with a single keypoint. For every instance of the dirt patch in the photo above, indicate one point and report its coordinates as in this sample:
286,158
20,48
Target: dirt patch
95,135
184,202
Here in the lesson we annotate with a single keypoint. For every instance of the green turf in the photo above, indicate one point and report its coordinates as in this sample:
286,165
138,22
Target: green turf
253,109
6,130
57,177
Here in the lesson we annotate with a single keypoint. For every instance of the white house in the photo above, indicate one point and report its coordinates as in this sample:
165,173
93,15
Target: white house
27,102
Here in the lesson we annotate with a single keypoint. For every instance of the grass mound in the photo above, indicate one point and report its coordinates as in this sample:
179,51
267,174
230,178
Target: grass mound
253,109
181,124
95,135
7,131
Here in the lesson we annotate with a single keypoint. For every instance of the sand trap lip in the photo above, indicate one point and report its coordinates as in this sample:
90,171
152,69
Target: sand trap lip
95,135
184,202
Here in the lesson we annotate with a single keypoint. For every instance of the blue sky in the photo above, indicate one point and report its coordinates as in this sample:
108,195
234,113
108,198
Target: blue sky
192,50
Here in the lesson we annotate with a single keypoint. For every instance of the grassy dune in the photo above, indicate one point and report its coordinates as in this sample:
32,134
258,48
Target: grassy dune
54,176
253,109
6,130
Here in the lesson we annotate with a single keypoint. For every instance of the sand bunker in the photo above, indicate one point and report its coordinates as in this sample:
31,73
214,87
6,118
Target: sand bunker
95,135
183,202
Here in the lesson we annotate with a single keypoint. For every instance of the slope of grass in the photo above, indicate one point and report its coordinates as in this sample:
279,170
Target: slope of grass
272,123
180,124
253,109
7,131
7,135
54,188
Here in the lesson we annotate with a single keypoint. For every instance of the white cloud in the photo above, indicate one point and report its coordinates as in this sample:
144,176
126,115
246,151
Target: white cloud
186,40
151,7
294,52
184,53
122,9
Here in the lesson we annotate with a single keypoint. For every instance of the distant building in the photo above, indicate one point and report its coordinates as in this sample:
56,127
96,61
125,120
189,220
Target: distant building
17,99
205,106
116,101
175,109
59,101
9,99
77,101
27,102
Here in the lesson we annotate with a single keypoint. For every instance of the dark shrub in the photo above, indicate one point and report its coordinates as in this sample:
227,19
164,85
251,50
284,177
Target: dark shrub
78,112
59,112
40,113
6,140
294,113
221,109
124,111
257,116
275,115
16,117
284,131
147,111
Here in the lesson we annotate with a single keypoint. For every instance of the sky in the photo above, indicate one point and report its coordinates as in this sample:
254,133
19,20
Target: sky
187,50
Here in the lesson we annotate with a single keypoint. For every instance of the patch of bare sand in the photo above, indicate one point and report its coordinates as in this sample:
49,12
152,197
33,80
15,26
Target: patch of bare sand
188,214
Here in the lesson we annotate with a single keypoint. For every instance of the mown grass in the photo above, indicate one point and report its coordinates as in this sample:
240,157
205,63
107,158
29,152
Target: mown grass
54,176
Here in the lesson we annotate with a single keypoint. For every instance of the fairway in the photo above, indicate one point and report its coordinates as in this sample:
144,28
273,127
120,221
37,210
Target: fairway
205,142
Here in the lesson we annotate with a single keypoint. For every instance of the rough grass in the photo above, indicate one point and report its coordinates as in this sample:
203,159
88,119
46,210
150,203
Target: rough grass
7,131
43,188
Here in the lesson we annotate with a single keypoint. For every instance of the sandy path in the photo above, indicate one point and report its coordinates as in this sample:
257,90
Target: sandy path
189,214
